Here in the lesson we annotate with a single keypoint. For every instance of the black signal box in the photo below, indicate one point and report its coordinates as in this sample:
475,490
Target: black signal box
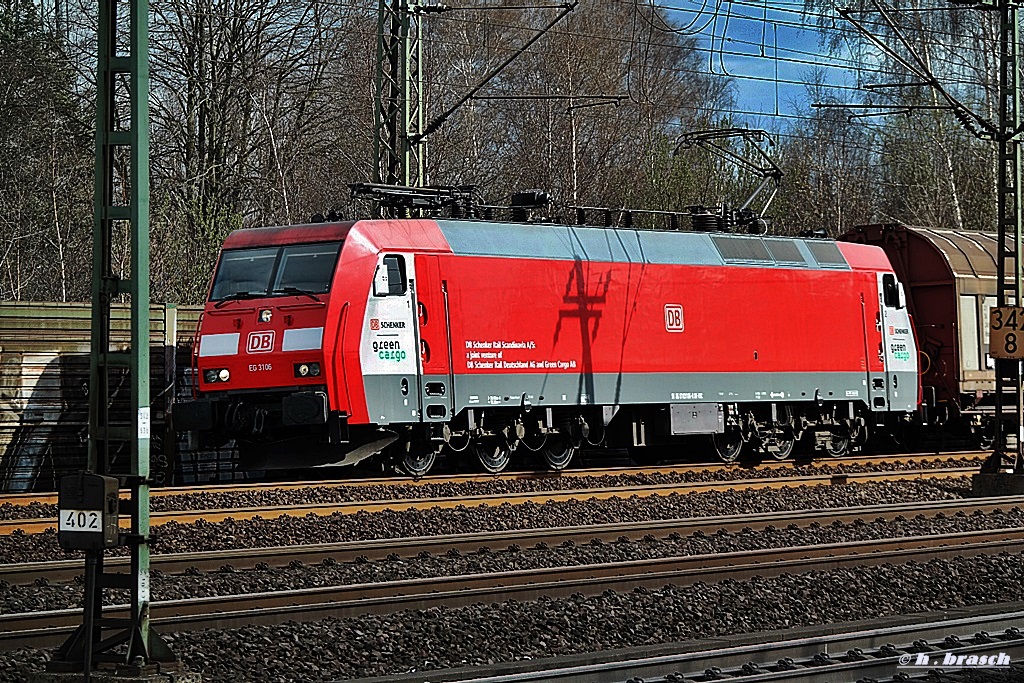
88,511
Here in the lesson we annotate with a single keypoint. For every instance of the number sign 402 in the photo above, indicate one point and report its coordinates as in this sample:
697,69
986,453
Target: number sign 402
1006,332
80,520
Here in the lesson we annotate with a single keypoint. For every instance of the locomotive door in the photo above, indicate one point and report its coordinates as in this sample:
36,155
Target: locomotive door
899,349
437,384
388,343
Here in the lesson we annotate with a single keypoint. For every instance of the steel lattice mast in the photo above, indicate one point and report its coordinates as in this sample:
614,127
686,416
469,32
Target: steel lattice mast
1009,439
398,101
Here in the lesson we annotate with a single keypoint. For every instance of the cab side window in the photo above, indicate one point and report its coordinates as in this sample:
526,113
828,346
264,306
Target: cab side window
389,280
890,292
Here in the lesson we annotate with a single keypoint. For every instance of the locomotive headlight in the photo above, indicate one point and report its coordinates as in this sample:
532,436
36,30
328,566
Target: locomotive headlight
216,375
307,369
265,315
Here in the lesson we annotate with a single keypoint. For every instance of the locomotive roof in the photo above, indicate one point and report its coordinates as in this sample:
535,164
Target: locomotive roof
667,247
570,242
287,234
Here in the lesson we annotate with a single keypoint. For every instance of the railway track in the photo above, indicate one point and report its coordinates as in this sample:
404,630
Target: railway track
38,525
280,556
19,499
39,629
865,650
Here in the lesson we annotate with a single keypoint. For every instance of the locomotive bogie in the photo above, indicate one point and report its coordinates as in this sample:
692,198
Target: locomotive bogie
757,430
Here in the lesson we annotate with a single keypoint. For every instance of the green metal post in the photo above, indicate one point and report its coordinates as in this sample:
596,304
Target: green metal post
139,287
382,95
98,457
418,150
122,203
406,90
412,78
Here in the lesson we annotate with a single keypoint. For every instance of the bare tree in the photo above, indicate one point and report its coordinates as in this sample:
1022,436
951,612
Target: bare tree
254,119
612,153
930,169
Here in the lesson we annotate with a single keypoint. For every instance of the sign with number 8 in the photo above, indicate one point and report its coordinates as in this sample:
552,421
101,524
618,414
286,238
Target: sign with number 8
1006,332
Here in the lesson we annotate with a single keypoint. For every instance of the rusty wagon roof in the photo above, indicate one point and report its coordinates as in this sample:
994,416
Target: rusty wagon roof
968,253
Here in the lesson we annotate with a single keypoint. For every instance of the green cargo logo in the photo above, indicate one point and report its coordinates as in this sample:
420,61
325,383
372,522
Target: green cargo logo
900,352
389,350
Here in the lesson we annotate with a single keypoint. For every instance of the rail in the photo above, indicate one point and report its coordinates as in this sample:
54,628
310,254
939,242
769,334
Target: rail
281,556
38,525
40,629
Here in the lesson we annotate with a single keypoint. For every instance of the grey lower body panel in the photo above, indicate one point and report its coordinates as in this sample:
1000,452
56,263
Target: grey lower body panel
657,388
904,391
894,391
392,398
551,390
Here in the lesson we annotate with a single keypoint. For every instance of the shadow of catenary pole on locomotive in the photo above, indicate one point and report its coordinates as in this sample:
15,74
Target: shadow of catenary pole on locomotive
582,305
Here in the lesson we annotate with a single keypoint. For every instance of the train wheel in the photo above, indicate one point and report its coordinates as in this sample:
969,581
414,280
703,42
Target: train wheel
558,453
785,434
785,444
493,454
728,446
837,445
984,435
417,461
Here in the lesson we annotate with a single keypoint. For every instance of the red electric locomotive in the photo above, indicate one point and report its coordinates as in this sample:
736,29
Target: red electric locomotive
329,343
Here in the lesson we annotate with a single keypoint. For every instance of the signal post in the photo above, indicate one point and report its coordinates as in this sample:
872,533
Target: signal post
90,503
1003,472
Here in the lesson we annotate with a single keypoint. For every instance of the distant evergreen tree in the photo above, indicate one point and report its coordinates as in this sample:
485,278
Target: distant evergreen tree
45,163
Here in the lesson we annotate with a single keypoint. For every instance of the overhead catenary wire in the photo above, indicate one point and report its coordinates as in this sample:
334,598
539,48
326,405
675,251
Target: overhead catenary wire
824,63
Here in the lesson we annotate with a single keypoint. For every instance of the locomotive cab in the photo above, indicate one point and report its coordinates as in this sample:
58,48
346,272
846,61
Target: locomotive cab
259,366
322,345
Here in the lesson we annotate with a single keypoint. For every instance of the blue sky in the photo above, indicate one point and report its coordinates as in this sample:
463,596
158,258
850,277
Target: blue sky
758,43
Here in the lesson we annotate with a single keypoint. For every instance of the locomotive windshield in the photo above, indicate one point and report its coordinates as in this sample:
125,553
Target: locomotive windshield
275,271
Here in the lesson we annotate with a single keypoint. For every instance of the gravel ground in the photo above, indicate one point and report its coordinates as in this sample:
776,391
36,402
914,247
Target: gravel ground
443,638
42,596
340,494
174,537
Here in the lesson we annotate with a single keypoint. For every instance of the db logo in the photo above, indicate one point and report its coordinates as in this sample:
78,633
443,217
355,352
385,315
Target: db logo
374,323
892,330
260,342
673,318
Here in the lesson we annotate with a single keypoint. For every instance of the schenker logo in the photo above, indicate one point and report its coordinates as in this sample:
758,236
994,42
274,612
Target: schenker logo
377,324
260,342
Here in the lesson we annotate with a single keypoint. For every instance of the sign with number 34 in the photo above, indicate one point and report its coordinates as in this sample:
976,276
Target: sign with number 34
1006,327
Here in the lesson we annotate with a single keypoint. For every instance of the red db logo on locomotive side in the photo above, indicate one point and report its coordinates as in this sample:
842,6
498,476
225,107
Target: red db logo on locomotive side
673,318
260,342
374,323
